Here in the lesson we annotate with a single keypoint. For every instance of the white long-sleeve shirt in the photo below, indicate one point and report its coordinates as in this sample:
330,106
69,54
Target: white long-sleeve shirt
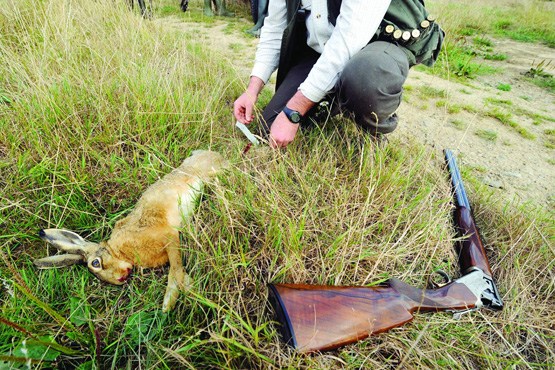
357,23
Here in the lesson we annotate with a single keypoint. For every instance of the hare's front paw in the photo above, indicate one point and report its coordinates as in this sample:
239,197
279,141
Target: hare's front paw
177,280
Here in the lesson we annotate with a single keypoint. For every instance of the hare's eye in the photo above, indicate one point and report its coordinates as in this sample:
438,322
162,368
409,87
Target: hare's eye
96,263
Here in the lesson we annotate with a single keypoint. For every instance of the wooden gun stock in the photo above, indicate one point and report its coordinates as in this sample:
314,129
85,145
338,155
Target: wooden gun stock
319,318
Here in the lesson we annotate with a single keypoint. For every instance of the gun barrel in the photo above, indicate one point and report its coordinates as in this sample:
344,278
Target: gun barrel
461,200
470,249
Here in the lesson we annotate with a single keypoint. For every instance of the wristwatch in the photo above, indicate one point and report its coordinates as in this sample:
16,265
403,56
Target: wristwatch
292,115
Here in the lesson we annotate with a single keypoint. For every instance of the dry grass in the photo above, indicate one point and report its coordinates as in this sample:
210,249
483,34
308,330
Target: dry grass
99,103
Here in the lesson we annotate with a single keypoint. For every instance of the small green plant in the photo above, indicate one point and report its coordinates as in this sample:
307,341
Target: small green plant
236,46
506,118
427,91
549,138
499,102
537,118
465,67
504,87
545,82
451,108
459,59
539,70
503,24
488,135
495,56
458,124
483,42
468,30
470,108
539,76
4,98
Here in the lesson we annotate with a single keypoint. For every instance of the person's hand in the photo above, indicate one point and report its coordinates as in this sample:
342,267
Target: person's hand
243,108
282,131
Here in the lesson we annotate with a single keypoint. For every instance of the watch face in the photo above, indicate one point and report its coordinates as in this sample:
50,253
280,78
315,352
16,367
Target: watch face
295,117
292,115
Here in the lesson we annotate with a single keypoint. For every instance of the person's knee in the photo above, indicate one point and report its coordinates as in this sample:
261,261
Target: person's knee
376,75
371,84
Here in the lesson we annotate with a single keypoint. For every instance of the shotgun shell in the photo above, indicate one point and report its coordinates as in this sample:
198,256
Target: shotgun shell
415,33
431,17
389,29
406,35
425,24
397,34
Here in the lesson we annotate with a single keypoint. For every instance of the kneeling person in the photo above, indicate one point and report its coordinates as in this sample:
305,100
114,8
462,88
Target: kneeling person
325,57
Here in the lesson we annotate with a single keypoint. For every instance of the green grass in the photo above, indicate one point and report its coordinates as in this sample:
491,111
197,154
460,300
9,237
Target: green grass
537,118
469,42
507,119
488,135
499,102
495,56
504,19
427,91
459,60
549,138
101,103
458,124
545,82
470,108
451,108
483,42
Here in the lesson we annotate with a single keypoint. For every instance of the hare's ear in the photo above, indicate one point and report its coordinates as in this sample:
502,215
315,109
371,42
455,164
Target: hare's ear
60,260
67,241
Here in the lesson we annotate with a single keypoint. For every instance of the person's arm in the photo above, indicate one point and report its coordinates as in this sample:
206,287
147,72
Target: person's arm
266,60
284,131
243,108
267,53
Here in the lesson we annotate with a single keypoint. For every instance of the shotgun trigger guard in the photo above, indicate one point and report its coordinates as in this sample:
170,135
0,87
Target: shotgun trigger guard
432,284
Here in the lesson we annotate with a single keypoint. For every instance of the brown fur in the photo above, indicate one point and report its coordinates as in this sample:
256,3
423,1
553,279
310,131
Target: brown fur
149,235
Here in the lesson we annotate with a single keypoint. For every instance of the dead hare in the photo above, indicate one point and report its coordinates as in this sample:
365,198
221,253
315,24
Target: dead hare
148,236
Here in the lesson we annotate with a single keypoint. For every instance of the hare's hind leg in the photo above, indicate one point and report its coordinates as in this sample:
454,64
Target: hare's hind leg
177,278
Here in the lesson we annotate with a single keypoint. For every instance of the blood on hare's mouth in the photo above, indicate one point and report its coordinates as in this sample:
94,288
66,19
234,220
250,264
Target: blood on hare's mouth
125,277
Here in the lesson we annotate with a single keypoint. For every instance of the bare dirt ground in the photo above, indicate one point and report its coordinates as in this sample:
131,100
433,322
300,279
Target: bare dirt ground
453,115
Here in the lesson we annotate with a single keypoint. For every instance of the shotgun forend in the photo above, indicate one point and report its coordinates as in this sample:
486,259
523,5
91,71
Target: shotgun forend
319,318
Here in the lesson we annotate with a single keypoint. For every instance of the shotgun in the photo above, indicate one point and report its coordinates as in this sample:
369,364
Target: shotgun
319,318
